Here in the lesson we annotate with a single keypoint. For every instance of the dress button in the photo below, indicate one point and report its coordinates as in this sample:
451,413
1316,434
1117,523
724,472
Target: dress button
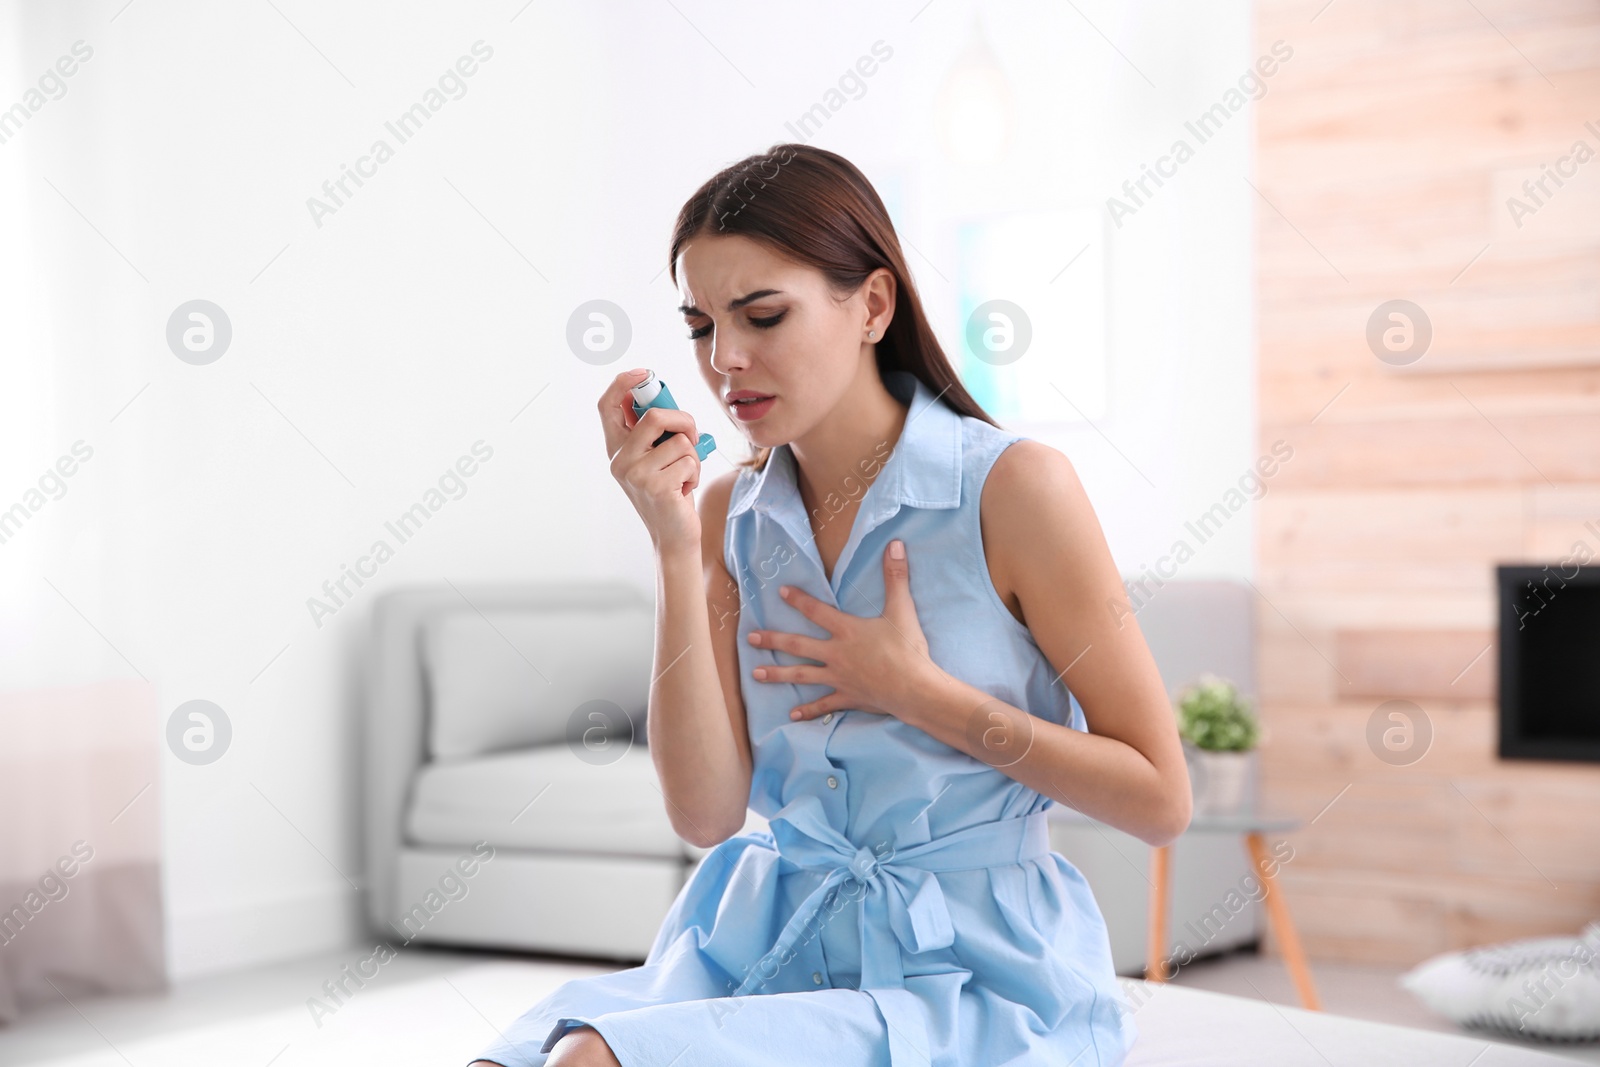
816,977
828,717
833,783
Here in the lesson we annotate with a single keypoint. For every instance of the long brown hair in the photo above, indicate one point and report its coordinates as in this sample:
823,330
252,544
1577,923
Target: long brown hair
814,207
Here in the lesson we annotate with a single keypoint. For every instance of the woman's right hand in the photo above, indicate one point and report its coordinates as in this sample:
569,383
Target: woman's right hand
659,480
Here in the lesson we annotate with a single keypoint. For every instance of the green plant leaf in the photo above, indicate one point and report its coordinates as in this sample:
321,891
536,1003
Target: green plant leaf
1214,717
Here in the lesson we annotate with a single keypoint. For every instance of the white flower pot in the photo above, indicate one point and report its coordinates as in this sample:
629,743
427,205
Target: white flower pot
1224,782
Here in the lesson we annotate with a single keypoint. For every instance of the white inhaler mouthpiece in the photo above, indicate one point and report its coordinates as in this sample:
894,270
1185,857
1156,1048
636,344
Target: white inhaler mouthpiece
647,390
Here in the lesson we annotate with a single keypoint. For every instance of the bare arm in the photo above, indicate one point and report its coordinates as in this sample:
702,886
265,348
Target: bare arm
696,726
1046,549
697,732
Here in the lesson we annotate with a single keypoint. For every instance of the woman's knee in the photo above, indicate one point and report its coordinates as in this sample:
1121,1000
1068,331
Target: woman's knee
582,1047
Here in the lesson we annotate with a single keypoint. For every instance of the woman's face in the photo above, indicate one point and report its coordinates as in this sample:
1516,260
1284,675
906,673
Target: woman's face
764,324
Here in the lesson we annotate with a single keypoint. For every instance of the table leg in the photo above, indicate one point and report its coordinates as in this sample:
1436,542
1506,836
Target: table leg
1155,967
1294,957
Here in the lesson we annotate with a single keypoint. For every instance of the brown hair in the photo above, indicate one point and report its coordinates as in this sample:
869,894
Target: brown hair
814,207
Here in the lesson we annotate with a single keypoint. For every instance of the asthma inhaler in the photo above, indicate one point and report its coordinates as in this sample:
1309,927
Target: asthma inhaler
653,393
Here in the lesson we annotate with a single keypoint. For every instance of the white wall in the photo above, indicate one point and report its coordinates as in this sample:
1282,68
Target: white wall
372,351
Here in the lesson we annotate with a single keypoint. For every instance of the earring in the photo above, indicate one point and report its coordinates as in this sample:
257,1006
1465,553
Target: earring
872,335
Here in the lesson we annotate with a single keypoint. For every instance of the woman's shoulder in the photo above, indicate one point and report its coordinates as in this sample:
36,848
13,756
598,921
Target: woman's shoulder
1034,503
1026,475
1036,521
986,449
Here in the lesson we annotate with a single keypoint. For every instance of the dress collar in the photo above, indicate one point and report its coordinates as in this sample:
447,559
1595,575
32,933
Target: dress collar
923,471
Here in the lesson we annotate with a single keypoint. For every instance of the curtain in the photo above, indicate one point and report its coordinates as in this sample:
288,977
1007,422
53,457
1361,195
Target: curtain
80,876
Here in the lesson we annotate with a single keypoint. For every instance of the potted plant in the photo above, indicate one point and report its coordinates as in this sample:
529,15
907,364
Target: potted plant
1222,728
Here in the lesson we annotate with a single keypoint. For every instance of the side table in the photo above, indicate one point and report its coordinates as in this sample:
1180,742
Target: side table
1252,827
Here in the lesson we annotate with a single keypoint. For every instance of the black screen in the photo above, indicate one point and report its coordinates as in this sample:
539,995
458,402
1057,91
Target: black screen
1550,662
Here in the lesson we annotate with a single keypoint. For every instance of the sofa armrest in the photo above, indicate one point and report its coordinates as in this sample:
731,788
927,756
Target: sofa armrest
394,742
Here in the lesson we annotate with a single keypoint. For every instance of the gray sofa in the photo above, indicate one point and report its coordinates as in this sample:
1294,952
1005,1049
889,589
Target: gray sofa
502,715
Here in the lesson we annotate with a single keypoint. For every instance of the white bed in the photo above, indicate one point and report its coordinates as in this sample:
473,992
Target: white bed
439,1020
1196,1028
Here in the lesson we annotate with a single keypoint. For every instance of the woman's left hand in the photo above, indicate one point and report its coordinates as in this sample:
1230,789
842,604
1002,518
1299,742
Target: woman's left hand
873,664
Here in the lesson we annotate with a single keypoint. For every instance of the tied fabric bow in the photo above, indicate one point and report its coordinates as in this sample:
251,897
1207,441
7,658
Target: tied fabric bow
903,909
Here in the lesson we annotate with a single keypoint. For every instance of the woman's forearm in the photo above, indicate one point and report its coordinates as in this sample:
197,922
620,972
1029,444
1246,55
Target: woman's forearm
705,779
1102,777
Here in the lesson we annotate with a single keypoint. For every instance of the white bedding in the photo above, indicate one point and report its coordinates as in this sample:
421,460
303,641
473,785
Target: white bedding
438,1020
1196,1028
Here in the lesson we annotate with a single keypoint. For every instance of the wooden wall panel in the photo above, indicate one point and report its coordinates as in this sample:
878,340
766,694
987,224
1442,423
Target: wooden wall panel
1465,446
1307,390
1419,664
1387,147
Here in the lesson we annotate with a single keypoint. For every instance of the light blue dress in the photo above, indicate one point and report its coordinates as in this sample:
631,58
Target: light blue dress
904,908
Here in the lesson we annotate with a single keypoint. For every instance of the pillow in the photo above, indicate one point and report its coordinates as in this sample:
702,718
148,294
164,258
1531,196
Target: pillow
1543,988
513,678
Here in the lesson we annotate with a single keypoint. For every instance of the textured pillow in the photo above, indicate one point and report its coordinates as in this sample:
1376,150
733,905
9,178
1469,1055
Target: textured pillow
1541,988
515,678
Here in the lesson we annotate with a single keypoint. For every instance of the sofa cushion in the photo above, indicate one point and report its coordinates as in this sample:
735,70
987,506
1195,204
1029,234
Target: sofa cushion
545,798
503,679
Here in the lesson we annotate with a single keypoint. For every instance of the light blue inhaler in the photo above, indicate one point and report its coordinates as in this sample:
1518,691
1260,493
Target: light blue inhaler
653,393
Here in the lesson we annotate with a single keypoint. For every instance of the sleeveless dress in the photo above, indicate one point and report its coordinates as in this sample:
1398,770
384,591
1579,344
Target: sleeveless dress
904,907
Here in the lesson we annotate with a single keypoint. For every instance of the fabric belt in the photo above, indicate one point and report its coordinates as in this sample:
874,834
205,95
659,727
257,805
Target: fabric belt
904,908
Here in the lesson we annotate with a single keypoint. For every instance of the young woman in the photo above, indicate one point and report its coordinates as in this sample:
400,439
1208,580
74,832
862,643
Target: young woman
866,634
